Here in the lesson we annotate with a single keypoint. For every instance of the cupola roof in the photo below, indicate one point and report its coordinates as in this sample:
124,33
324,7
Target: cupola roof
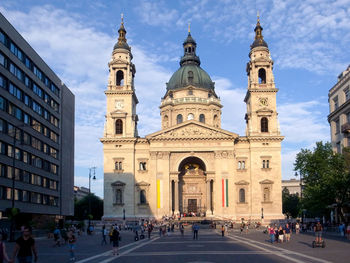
122,43
190,72
259,39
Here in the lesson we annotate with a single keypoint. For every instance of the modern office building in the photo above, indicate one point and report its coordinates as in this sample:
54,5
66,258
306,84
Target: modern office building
36,131
339,111
192,165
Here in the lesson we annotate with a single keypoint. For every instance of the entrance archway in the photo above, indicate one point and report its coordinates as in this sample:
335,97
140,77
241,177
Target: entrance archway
194,195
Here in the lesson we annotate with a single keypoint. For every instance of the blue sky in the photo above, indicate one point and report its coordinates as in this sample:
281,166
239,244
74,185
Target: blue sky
308,41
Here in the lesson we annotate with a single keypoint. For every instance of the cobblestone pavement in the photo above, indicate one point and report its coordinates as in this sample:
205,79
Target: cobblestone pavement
210,247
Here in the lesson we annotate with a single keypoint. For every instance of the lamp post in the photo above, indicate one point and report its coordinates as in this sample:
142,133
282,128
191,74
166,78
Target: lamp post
124,214
262,213
93,178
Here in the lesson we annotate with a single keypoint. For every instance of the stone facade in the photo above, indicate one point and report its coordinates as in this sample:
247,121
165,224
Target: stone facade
339,111
192,165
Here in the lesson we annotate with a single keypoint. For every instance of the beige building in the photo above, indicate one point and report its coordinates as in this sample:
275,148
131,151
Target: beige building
292,185
192,165
339,108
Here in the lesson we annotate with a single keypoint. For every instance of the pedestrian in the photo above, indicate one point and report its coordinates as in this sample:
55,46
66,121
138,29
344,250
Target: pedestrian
160,231
246,228
149,230
280,234
115,238
287,232
71,244
297,228
195,231
222,230
3,253
25,248
348,231
57,236
110,235
276,233
182,229
271,232
242,227
104,234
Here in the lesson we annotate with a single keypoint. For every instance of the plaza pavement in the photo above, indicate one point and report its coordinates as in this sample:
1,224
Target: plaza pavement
210,247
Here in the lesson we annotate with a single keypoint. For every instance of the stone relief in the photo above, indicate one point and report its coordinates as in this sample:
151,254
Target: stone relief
193,131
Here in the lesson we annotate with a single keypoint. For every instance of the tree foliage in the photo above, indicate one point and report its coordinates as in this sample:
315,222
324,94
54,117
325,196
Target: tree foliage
325,178
81,208
290,204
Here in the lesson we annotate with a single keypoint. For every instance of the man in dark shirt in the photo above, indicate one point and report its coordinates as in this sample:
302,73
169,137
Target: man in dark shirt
25,248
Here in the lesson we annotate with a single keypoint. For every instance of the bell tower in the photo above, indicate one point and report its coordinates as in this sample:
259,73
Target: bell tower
261,117
121,117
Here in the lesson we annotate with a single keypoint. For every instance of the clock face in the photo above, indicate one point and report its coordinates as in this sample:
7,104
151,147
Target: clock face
190,116
119,104
263,101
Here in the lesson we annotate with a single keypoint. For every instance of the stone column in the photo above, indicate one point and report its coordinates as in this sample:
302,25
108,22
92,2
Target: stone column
176,196
208,212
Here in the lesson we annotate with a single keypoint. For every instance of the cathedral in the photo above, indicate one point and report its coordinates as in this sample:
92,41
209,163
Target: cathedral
192,166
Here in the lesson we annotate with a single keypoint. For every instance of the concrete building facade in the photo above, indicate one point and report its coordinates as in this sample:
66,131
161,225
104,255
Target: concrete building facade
292,185
36,131
191,165
339,111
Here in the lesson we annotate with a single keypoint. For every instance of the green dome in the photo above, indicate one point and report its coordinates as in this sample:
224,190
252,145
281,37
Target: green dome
183,77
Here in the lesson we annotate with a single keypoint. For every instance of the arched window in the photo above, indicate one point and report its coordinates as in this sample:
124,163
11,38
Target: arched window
266,194
190,77
216,121
118,166
120,78
165,121
179,119
118,196
242,195
239,165
202,118
264,124
119,126
262,76
143,199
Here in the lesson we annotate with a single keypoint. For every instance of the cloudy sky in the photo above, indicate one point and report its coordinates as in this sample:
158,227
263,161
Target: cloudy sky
308,41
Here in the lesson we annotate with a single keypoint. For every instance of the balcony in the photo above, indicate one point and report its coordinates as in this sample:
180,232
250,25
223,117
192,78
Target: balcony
345,128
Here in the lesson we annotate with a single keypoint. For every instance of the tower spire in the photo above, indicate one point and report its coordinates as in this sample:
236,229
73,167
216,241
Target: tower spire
122,43
259,39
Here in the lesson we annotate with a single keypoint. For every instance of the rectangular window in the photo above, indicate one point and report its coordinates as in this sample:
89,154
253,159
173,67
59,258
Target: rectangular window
53,168
9,151
9,173
2,82
347,94
26,177
335,103
337,126
2,125
38,91
16,71
53,152
37,72
8,193
27,62
2,60
25,196
27,81
14,49
2,103
2,38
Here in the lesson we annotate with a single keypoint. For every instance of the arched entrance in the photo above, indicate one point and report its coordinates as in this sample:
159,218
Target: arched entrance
193,191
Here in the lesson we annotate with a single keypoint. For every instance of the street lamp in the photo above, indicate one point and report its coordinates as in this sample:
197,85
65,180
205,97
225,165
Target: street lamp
124,215
93,178
262,213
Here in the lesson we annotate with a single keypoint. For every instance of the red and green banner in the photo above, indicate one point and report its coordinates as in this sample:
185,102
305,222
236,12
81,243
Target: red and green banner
224,192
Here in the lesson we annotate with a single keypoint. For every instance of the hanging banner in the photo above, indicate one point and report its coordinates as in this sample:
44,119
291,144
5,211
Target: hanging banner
224,192
159,193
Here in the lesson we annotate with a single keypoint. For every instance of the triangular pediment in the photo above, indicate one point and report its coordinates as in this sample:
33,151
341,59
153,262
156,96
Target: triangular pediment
242,182
266,181
142,183
118,183
192,129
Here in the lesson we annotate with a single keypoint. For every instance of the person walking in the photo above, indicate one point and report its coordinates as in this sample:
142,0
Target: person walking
104,234
71,244
195,231
57,236
222,230
271,232
115,238
149,230
280,234
25,248
182,230
297,228
287,232
111,234
3,253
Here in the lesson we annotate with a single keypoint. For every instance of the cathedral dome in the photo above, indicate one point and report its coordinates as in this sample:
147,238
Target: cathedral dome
190,72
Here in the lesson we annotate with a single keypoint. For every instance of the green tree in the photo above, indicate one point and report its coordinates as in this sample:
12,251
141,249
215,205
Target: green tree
290,203
326,179
81,208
